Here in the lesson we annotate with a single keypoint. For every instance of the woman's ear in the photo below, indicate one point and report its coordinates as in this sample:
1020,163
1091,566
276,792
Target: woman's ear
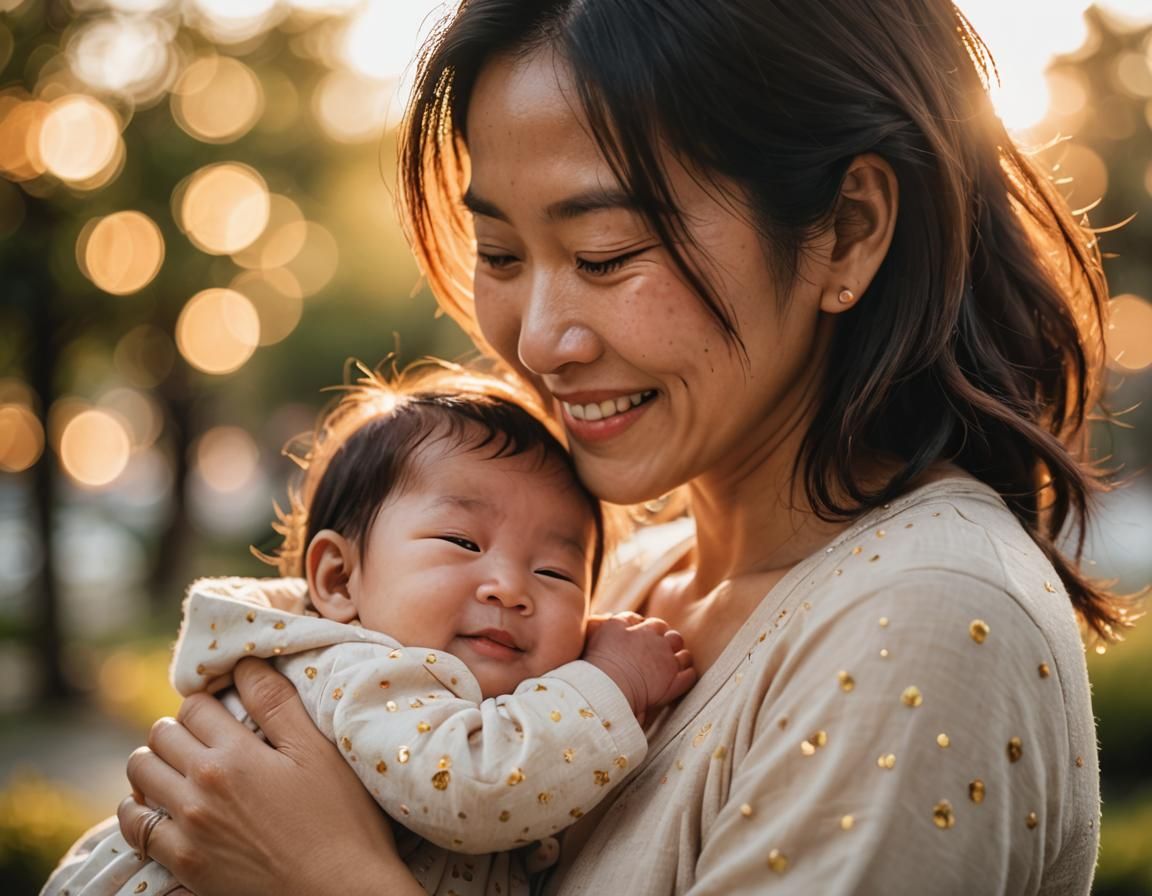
329,564
863,222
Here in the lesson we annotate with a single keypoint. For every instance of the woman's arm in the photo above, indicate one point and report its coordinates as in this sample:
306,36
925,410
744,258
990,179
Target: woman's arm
284,817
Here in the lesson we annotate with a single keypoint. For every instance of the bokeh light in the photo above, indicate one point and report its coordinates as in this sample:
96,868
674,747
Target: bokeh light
94,447
21,438
226,457
126,55
382,39
354,109
79,138
275,295
120,253
1022,96
217,99
1129,335
234,21
144,356
7,44
316,262
139,412
218,331
282,239
223,208
1081,174
1133,73
20,122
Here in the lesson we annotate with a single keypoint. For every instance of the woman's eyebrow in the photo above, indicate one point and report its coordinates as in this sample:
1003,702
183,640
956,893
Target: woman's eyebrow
593,200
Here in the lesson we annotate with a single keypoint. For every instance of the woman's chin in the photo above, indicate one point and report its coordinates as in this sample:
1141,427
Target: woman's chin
618,486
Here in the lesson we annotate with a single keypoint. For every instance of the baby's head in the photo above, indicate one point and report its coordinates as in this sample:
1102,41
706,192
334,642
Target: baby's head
437,509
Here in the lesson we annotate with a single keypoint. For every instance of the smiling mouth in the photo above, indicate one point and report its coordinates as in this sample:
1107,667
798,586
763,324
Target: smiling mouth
609,407
493,646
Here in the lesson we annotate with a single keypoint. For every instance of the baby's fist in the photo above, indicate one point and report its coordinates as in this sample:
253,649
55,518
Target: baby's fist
646,659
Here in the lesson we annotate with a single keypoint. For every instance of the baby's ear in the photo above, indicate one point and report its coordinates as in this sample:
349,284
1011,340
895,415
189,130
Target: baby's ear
329,564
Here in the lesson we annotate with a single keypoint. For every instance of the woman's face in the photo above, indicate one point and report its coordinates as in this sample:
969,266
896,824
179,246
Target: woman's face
573,289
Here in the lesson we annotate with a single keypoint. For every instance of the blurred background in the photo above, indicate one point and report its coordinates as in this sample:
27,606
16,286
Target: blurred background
197,229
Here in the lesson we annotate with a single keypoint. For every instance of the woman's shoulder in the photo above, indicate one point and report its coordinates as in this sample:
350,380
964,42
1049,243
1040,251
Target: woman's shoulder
947,579
959,533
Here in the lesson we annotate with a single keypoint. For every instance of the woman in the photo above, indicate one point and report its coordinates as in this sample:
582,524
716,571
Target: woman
783,259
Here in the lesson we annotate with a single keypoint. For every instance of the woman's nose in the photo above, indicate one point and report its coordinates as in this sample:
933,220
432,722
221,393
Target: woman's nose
553,330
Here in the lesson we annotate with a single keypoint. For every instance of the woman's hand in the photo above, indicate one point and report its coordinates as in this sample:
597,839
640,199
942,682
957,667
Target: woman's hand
284,817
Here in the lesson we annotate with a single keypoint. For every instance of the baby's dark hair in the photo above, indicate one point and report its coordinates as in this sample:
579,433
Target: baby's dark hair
363,448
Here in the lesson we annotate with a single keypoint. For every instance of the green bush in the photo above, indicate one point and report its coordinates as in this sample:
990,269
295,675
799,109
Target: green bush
39,820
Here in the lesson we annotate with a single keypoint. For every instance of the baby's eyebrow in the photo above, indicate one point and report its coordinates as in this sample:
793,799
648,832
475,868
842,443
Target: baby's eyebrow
567,541
466,502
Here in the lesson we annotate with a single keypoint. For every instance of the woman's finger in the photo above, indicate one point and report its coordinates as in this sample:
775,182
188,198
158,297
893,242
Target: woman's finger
684,658
274,705
211,724
154,779
138,823
173,743
675,640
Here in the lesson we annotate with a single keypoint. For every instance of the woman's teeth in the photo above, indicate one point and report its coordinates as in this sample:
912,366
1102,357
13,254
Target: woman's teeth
610,407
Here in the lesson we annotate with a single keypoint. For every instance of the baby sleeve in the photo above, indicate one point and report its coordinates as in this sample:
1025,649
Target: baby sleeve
913,740
472,775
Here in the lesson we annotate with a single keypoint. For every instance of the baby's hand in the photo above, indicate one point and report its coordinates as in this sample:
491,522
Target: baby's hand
646,659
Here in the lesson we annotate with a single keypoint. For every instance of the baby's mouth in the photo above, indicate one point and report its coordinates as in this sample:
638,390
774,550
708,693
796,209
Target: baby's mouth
495,643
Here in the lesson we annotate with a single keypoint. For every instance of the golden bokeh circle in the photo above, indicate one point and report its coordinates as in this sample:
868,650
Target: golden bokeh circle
226,458
1129,335
224,208
218,331
120,253
21,438
276,296
281,241
20,122
94,447
315,264
217,99
78,138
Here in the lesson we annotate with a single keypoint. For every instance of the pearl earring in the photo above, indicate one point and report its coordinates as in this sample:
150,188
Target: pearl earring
846,297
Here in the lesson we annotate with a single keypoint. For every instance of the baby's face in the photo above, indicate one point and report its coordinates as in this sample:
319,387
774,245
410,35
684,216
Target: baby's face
488,559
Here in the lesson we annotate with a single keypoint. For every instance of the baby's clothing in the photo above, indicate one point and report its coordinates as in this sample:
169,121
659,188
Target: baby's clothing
471,778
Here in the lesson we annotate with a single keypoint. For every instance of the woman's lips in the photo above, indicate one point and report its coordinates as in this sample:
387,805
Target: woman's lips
590,420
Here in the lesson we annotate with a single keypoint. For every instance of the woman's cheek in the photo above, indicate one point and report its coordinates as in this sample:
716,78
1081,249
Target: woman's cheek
498,318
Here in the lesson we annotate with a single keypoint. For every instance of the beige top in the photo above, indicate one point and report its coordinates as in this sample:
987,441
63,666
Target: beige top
476,778
906,711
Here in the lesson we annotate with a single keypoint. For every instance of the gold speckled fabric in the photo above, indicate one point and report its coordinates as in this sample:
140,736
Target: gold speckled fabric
475,780
907,711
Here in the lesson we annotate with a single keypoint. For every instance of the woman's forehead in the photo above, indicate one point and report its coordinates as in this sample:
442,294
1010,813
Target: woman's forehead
525,126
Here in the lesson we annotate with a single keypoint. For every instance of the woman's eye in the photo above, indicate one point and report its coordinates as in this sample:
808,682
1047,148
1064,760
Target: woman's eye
465,543
608,266
494,261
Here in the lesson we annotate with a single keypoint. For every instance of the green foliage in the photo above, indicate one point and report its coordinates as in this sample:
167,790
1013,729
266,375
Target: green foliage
38,822
1125,857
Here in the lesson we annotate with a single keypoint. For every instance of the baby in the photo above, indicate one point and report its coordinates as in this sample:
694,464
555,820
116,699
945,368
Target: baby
442,638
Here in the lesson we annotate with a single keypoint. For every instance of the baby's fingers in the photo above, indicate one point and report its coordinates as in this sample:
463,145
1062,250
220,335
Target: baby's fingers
681,684
675,640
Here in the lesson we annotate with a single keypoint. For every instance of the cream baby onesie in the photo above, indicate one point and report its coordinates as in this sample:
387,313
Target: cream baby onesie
474,778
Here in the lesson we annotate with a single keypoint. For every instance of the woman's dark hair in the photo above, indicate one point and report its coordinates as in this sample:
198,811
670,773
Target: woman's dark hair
979,341
365,446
